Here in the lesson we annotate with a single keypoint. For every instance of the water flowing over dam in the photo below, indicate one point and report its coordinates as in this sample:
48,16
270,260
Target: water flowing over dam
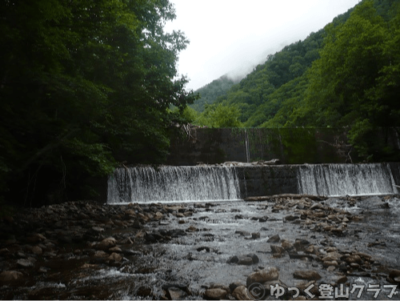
346,179
217,183
173,183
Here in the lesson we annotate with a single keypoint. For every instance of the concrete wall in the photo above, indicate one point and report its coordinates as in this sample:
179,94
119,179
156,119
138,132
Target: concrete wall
267,180
291,146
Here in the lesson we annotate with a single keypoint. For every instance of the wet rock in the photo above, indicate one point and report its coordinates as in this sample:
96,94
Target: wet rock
241,293
37,250
274,238
192,229
310,249
176,233
200,249
115,257
181,221
339,279
287,245
176,293
301,244
254,257
98,229
233,259
115,249
100,254
234,285
243,233
372,203
290,218
353,259
158,216
307,275
263,219
144,291
35,238
25,263
277,249
245,260
330,263
106,243
261,276
255,235
8,276
215,293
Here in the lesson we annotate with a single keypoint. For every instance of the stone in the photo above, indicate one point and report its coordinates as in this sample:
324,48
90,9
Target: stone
158,215
255,235
261,276
35,238
287,245
330,263
181,221
243,233
291,218
310,249
277,249
100,254
98,229
331,268
106,243
353,259
37,250
307,275
245,260
241,293
192,229
274,238
234,285
394,273
7,276
115,249
215,293
233,259
25,263
176,293
115,257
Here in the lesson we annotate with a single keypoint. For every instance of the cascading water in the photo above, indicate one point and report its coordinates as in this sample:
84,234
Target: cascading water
173,183
346,179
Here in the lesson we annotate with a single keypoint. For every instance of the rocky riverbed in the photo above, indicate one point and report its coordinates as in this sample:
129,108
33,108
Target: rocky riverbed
279,247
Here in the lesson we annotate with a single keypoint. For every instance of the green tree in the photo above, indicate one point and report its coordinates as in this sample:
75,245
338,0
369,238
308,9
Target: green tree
82,82
220,116
355,82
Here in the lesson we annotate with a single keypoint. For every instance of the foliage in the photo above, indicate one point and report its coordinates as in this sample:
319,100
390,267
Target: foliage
355,83
82,82
210,92
344,76
220,116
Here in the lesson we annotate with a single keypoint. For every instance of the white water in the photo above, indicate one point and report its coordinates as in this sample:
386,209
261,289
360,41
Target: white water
172,183
346,179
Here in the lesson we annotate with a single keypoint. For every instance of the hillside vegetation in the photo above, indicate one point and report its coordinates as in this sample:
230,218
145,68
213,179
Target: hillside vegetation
345,75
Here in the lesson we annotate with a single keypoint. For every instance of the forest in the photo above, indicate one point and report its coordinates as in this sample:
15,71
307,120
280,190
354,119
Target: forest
346,75
84,83
81,83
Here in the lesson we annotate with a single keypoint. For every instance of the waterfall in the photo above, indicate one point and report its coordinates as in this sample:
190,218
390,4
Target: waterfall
173,183
346,179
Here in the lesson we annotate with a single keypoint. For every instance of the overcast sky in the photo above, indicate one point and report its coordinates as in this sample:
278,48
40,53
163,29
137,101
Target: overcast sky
232,36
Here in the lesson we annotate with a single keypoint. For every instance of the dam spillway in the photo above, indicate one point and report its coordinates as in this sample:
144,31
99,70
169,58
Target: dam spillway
173,184
223,183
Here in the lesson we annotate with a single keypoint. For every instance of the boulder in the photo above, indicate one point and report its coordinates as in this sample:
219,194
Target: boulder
106,243
7,276
241,293
264,275
215,293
